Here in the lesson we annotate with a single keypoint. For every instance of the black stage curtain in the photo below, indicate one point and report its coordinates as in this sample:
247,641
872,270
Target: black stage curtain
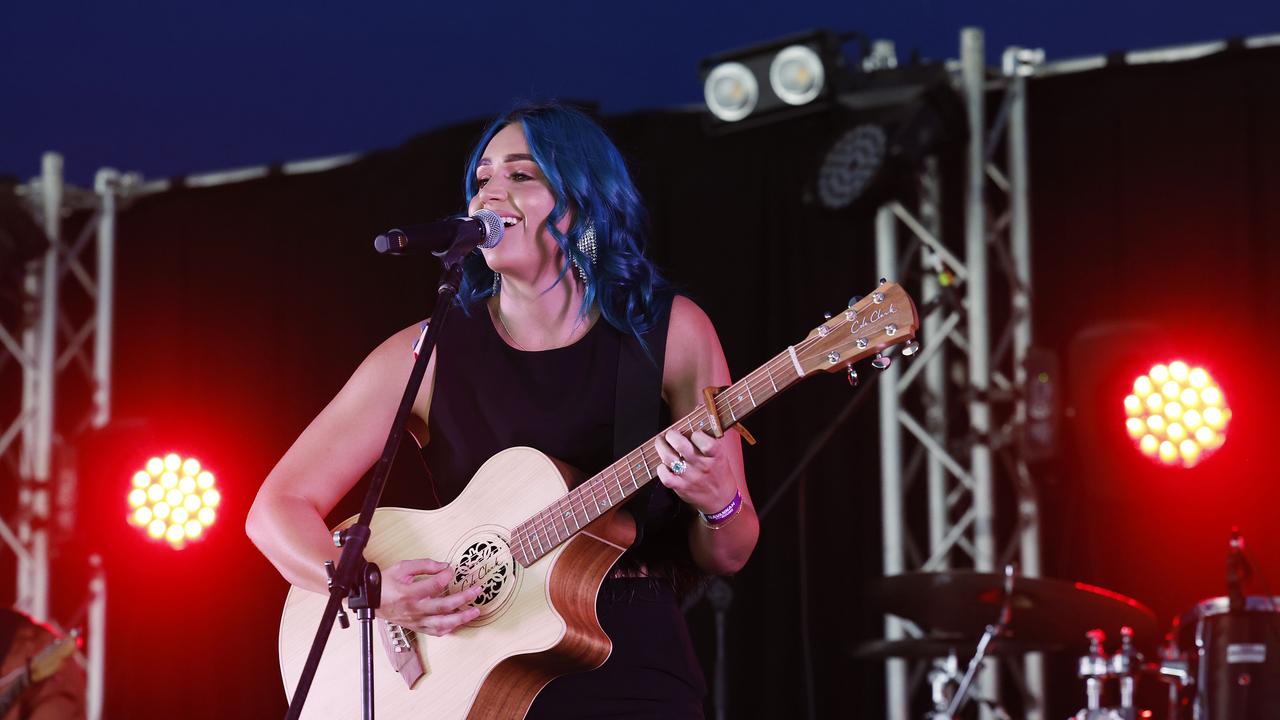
243,308
1156,220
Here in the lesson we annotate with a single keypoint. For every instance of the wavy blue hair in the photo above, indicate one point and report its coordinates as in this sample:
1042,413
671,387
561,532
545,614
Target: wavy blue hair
589,179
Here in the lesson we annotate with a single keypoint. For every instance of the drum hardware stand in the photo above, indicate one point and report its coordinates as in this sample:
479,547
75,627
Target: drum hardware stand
1097,667
942,678
940,685
1176,673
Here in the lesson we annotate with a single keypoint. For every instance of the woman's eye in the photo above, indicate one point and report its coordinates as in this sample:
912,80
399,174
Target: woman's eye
520,176
481,182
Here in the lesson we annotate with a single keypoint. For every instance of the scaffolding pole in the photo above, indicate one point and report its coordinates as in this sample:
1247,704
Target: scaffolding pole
38,428
935,385
1018,64
959,458
39,343
891,480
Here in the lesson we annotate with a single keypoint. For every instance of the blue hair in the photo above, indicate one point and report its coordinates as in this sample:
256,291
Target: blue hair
589,179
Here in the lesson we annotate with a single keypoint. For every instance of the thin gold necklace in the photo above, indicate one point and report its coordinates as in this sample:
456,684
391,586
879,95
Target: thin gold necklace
507,330
512,338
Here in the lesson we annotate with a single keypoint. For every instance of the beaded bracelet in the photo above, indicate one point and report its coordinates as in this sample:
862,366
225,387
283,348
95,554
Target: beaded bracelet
719,519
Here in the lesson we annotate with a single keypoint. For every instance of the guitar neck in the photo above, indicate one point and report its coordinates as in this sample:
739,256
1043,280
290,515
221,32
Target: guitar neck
556,523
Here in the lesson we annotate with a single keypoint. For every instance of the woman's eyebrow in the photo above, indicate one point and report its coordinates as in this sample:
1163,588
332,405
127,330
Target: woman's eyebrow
510,158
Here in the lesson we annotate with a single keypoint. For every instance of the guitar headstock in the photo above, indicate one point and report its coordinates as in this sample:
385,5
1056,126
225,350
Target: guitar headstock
884,318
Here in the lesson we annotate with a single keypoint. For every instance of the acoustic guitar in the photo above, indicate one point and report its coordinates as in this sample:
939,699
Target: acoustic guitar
539,543
42,666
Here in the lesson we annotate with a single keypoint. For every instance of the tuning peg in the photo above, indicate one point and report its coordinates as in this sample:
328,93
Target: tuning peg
855,300
883,281
881,362
826,316
853,376
911,348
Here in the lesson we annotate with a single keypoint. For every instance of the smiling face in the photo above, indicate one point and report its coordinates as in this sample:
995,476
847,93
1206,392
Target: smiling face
512,185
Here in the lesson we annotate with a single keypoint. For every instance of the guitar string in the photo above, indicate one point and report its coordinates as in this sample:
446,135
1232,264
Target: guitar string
596,489
543,523
544,520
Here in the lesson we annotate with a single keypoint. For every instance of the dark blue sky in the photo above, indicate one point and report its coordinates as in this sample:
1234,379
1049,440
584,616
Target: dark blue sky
169,88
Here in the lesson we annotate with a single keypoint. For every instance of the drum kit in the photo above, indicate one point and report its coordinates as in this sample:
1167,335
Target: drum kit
1219,661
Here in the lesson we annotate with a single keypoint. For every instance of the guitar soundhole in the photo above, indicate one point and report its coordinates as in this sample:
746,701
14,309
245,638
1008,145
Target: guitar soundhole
484,559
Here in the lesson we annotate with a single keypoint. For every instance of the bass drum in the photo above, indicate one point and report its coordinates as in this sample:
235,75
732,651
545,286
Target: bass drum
1232,659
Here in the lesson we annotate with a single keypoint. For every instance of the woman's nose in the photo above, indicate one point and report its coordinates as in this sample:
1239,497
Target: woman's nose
493,190
487,194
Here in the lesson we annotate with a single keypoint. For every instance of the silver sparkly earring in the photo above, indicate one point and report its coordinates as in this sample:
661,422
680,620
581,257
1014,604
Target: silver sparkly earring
497,284
586,246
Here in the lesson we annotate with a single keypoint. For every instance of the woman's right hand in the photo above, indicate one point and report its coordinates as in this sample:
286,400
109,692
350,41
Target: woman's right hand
412,597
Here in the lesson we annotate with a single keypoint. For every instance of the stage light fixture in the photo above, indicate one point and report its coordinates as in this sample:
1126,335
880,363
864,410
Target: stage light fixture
851,165
796,75
731,91
1176,414
895,118
777,79
173,499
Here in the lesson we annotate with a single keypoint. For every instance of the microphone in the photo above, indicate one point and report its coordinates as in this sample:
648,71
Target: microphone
484,229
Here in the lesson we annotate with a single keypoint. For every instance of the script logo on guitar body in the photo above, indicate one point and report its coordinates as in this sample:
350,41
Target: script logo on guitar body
484,558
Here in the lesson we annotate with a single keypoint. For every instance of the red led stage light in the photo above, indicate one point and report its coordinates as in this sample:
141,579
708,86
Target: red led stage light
173,499
1177,415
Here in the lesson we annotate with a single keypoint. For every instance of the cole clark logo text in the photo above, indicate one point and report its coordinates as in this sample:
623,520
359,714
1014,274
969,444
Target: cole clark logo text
873,318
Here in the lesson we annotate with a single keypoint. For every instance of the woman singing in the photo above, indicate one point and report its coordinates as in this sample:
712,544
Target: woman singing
533,359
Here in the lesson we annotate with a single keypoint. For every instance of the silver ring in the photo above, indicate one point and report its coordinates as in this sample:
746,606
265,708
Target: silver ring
679,466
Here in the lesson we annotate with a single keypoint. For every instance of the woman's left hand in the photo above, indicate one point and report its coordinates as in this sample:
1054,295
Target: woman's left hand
706,481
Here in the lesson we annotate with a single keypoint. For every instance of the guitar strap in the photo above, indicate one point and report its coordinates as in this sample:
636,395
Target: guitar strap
637,408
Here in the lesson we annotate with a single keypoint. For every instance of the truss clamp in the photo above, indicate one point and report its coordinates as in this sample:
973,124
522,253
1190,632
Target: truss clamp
1022,62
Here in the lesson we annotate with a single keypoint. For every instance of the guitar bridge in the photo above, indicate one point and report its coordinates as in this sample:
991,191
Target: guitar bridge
401,646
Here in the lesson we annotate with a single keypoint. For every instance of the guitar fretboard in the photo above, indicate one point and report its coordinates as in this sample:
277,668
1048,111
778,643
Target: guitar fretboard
553,525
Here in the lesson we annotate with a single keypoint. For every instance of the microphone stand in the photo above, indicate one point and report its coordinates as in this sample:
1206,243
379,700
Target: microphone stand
354,577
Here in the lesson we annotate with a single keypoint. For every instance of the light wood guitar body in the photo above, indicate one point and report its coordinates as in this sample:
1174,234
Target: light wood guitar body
537,623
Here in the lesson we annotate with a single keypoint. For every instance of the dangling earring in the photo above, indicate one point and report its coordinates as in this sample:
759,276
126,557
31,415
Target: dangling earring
497,284
586,246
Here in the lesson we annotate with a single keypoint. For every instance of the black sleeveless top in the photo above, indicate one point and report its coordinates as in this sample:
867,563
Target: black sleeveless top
488,396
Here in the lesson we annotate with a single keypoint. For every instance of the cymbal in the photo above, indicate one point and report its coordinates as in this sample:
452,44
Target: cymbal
1052,612
936,646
